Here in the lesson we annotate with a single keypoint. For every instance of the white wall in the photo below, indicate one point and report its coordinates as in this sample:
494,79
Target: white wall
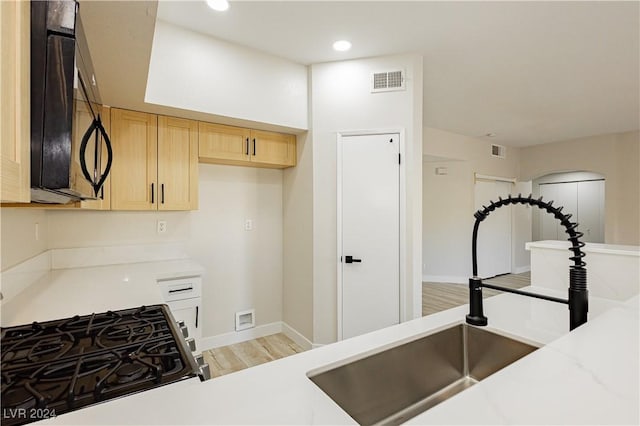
616,157
448,203
298,241
193,71
243,268
340,101
18,235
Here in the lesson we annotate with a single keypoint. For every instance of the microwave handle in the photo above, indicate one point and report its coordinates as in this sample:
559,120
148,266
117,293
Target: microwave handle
96,126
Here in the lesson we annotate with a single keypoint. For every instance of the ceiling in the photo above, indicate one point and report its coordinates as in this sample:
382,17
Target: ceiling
530,72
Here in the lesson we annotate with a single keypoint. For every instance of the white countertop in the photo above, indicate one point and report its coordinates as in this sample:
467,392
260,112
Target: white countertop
588,376
62,293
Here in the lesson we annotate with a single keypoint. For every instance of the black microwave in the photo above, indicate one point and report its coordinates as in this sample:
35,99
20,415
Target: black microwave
68,140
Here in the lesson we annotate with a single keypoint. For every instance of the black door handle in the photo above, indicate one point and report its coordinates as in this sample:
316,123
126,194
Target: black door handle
350,259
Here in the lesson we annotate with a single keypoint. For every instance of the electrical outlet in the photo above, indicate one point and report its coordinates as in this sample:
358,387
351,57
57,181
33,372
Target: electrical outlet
248,225
162,226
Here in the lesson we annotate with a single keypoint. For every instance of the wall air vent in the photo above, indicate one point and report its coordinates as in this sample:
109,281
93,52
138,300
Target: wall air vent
498,151
387,81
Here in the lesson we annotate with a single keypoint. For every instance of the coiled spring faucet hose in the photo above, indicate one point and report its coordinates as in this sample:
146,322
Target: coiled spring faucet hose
578,294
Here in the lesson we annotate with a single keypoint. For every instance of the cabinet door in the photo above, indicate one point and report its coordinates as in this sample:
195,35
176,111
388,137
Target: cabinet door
273,149
223,144
14,101
134,136
177,164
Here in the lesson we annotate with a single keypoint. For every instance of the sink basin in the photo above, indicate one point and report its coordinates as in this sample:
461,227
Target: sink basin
398,383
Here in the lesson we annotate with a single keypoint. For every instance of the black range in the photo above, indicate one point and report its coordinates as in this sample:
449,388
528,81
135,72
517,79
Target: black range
54,367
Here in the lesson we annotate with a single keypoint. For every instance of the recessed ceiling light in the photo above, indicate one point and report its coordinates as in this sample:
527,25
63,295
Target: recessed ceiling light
341,45
218,5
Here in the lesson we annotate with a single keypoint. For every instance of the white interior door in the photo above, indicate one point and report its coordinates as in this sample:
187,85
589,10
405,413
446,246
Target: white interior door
494,234
591,210
369,209
548,223
563,195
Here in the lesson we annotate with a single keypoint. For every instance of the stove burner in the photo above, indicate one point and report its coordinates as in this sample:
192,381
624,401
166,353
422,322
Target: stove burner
67,364
130,372
121,332
17,397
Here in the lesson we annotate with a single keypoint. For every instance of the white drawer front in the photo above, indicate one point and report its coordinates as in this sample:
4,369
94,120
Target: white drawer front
179,289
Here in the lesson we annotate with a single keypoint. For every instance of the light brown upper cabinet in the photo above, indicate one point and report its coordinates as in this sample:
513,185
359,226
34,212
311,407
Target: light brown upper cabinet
155,162
177,163
15,159
221,144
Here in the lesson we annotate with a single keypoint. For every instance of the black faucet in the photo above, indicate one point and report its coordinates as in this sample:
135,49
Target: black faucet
578,296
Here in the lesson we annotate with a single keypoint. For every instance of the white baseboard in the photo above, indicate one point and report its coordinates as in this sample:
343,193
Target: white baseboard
240,336
254,333
521,269
297,337
445,279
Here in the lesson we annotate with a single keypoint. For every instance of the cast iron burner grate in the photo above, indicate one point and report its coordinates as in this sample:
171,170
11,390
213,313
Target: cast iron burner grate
58,366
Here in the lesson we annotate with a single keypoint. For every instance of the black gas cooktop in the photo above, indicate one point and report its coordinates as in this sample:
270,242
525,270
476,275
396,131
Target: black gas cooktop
54,367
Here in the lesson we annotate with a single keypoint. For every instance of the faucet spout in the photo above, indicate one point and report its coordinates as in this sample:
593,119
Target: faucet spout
577,300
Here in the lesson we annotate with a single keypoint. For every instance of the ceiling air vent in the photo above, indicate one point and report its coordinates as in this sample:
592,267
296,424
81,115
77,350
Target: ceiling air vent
498,151
387,81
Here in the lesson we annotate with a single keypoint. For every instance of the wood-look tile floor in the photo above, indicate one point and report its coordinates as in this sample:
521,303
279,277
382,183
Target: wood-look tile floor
438,297
236,357
435,297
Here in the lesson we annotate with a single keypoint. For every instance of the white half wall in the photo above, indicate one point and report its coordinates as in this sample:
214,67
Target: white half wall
341,100
197,72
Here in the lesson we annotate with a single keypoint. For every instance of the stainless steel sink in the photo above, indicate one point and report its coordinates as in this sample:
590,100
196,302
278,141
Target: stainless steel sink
396,384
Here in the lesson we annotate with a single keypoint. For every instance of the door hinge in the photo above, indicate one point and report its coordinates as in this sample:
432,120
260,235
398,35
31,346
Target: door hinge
399,158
